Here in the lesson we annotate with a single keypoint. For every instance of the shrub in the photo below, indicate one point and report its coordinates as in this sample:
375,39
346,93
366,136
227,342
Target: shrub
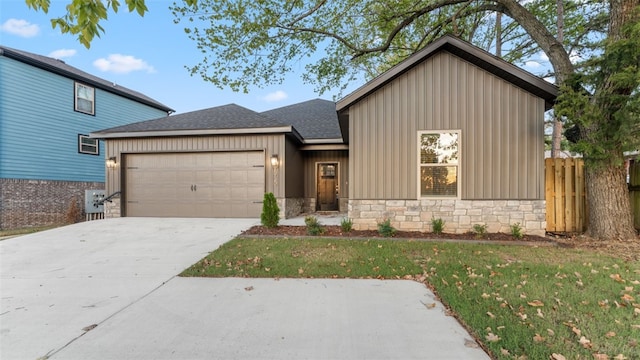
385,229
313,225
346,224
480,230
270,211
516,231
437,225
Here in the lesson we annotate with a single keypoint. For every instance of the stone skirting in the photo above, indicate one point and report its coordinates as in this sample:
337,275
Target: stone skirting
290,207
32,203
112,208
459,215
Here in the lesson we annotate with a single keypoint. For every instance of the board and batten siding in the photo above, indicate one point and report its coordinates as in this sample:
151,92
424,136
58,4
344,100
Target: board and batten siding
39,127
501,126
270,144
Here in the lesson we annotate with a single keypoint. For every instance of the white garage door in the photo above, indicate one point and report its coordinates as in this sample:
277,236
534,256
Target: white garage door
211,184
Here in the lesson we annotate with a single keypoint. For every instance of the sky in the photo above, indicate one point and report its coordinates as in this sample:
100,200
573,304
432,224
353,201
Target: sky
149,54
146,54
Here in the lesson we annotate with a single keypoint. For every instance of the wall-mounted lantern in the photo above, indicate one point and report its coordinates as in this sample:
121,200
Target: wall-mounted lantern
111,162
274,160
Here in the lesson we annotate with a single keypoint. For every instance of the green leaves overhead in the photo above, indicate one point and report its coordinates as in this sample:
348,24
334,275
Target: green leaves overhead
83,17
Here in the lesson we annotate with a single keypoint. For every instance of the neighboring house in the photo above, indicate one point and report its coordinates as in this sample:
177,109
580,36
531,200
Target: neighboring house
47,159
451,133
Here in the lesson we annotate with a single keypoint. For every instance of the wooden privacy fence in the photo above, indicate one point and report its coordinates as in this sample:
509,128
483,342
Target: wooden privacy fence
565,194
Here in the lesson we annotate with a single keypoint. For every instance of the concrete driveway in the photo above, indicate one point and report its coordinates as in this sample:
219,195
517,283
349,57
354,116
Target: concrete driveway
108,290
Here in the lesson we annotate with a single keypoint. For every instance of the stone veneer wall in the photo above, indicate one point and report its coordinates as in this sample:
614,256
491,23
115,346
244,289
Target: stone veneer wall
290,207
459,215
112,208
31,203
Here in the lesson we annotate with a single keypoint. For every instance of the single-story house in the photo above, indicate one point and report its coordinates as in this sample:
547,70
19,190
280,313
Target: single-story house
452,132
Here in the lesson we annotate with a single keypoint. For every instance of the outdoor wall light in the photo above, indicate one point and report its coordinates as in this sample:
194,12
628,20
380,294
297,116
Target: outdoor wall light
111,162
274,160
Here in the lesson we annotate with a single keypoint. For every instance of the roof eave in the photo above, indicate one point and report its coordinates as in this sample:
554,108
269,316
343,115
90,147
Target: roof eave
468,52
199,132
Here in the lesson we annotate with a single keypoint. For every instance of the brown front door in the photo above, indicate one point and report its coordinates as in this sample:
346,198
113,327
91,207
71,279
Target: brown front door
327,187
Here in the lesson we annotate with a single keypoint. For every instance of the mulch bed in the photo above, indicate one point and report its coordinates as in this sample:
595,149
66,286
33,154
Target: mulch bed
626,250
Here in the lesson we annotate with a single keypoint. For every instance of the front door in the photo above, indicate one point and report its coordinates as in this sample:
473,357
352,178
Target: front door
327,187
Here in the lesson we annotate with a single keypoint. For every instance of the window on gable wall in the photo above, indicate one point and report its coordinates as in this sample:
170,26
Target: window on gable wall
85,99
439,156
87,145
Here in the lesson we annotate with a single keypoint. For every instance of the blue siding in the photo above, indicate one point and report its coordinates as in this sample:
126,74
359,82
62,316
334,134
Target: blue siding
39,127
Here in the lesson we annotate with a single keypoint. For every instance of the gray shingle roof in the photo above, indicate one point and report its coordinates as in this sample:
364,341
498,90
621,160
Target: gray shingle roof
229,116
61,68
314,119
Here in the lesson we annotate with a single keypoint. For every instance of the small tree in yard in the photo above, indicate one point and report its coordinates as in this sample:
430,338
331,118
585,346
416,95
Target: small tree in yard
270,211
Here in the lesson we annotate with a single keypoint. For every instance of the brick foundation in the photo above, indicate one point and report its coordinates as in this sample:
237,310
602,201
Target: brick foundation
33,203
459,215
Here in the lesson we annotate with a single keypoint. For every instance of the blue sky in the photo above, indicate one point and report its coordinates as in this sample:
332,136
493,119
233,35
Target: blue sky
145,54
149,55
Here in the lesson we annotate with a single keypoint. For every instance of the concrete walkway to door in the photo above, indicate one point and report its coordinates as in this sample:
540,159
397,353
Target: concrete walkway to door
108,289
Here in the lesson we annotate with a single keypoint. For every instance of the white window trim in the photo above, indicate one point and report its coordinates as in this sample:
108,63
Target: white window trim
459,165
82,136
75,98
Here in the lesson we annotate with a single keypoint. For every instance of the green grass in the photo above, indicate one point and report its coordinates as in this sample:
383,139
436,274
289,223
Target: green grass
516,300
24,231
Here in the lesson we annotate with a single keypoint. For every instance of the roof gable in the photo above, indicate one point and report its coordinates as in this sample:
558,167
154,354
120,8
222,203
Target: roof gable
61,68
468,52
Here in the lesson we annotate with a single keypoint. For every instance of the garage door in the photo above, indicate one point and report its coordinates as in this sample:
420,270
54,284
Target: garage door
212,184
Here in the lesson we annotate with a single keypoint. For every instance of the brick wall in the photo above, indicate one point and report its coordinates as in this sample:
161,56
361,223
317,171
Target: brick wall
459,215
32,203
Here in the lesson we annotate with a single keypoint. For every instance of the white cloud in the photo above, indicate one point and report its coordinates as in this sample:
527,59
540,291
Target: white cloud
275,96
542,56
122,64
532,64
62,53
20,27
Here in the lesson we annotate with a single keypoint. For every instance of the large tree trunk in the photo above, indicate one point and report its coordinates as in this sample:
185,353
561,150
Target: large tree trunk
556,135
610,213
609,207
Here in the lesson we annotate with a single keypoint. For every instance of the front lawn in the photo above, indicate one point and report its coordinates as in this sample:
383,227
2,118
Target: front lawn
537,302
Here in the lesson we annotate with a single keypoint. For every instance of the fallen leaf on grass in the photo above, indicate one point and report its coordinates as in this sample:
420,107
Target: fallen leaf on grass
490,314
537,338
610,334
551,332
576,331
300,271
540,314
601,356
536,303
617,277
504,352
586,343
492,337
620,357
555,356
627,297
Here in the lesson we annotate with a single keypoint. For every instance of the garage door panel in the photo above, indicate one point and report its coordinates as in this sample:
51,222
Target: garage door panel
212,184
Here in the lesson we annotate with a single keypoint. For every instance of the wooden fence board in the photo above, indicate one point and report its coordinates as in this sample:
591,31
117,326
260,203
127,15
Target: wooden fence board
565,195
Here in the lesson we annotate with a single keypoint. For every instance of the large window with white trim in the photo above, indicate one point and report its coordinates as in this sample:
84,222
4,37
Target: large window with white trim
84,99
439,163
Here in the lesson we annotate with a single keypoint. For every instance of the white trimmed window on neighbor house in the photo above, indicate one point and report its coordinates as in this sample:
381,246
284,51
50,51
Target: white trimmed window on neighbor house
87,145
84,99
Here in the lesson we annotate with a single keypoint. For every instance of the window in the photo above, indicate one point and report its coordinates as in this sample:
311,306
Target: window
85,99
87,145
439,156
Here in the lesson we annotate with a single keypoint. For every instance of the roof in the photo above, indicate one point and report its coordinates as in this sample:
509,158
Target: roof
226,119
468,52
61,68
314,119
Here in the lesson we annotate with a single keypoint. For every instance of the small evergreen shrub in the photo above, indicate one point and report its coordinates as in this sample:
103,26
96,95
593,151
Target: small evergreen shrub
480,230
437,225
346,224
313,225
385,229
516,231
270,211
